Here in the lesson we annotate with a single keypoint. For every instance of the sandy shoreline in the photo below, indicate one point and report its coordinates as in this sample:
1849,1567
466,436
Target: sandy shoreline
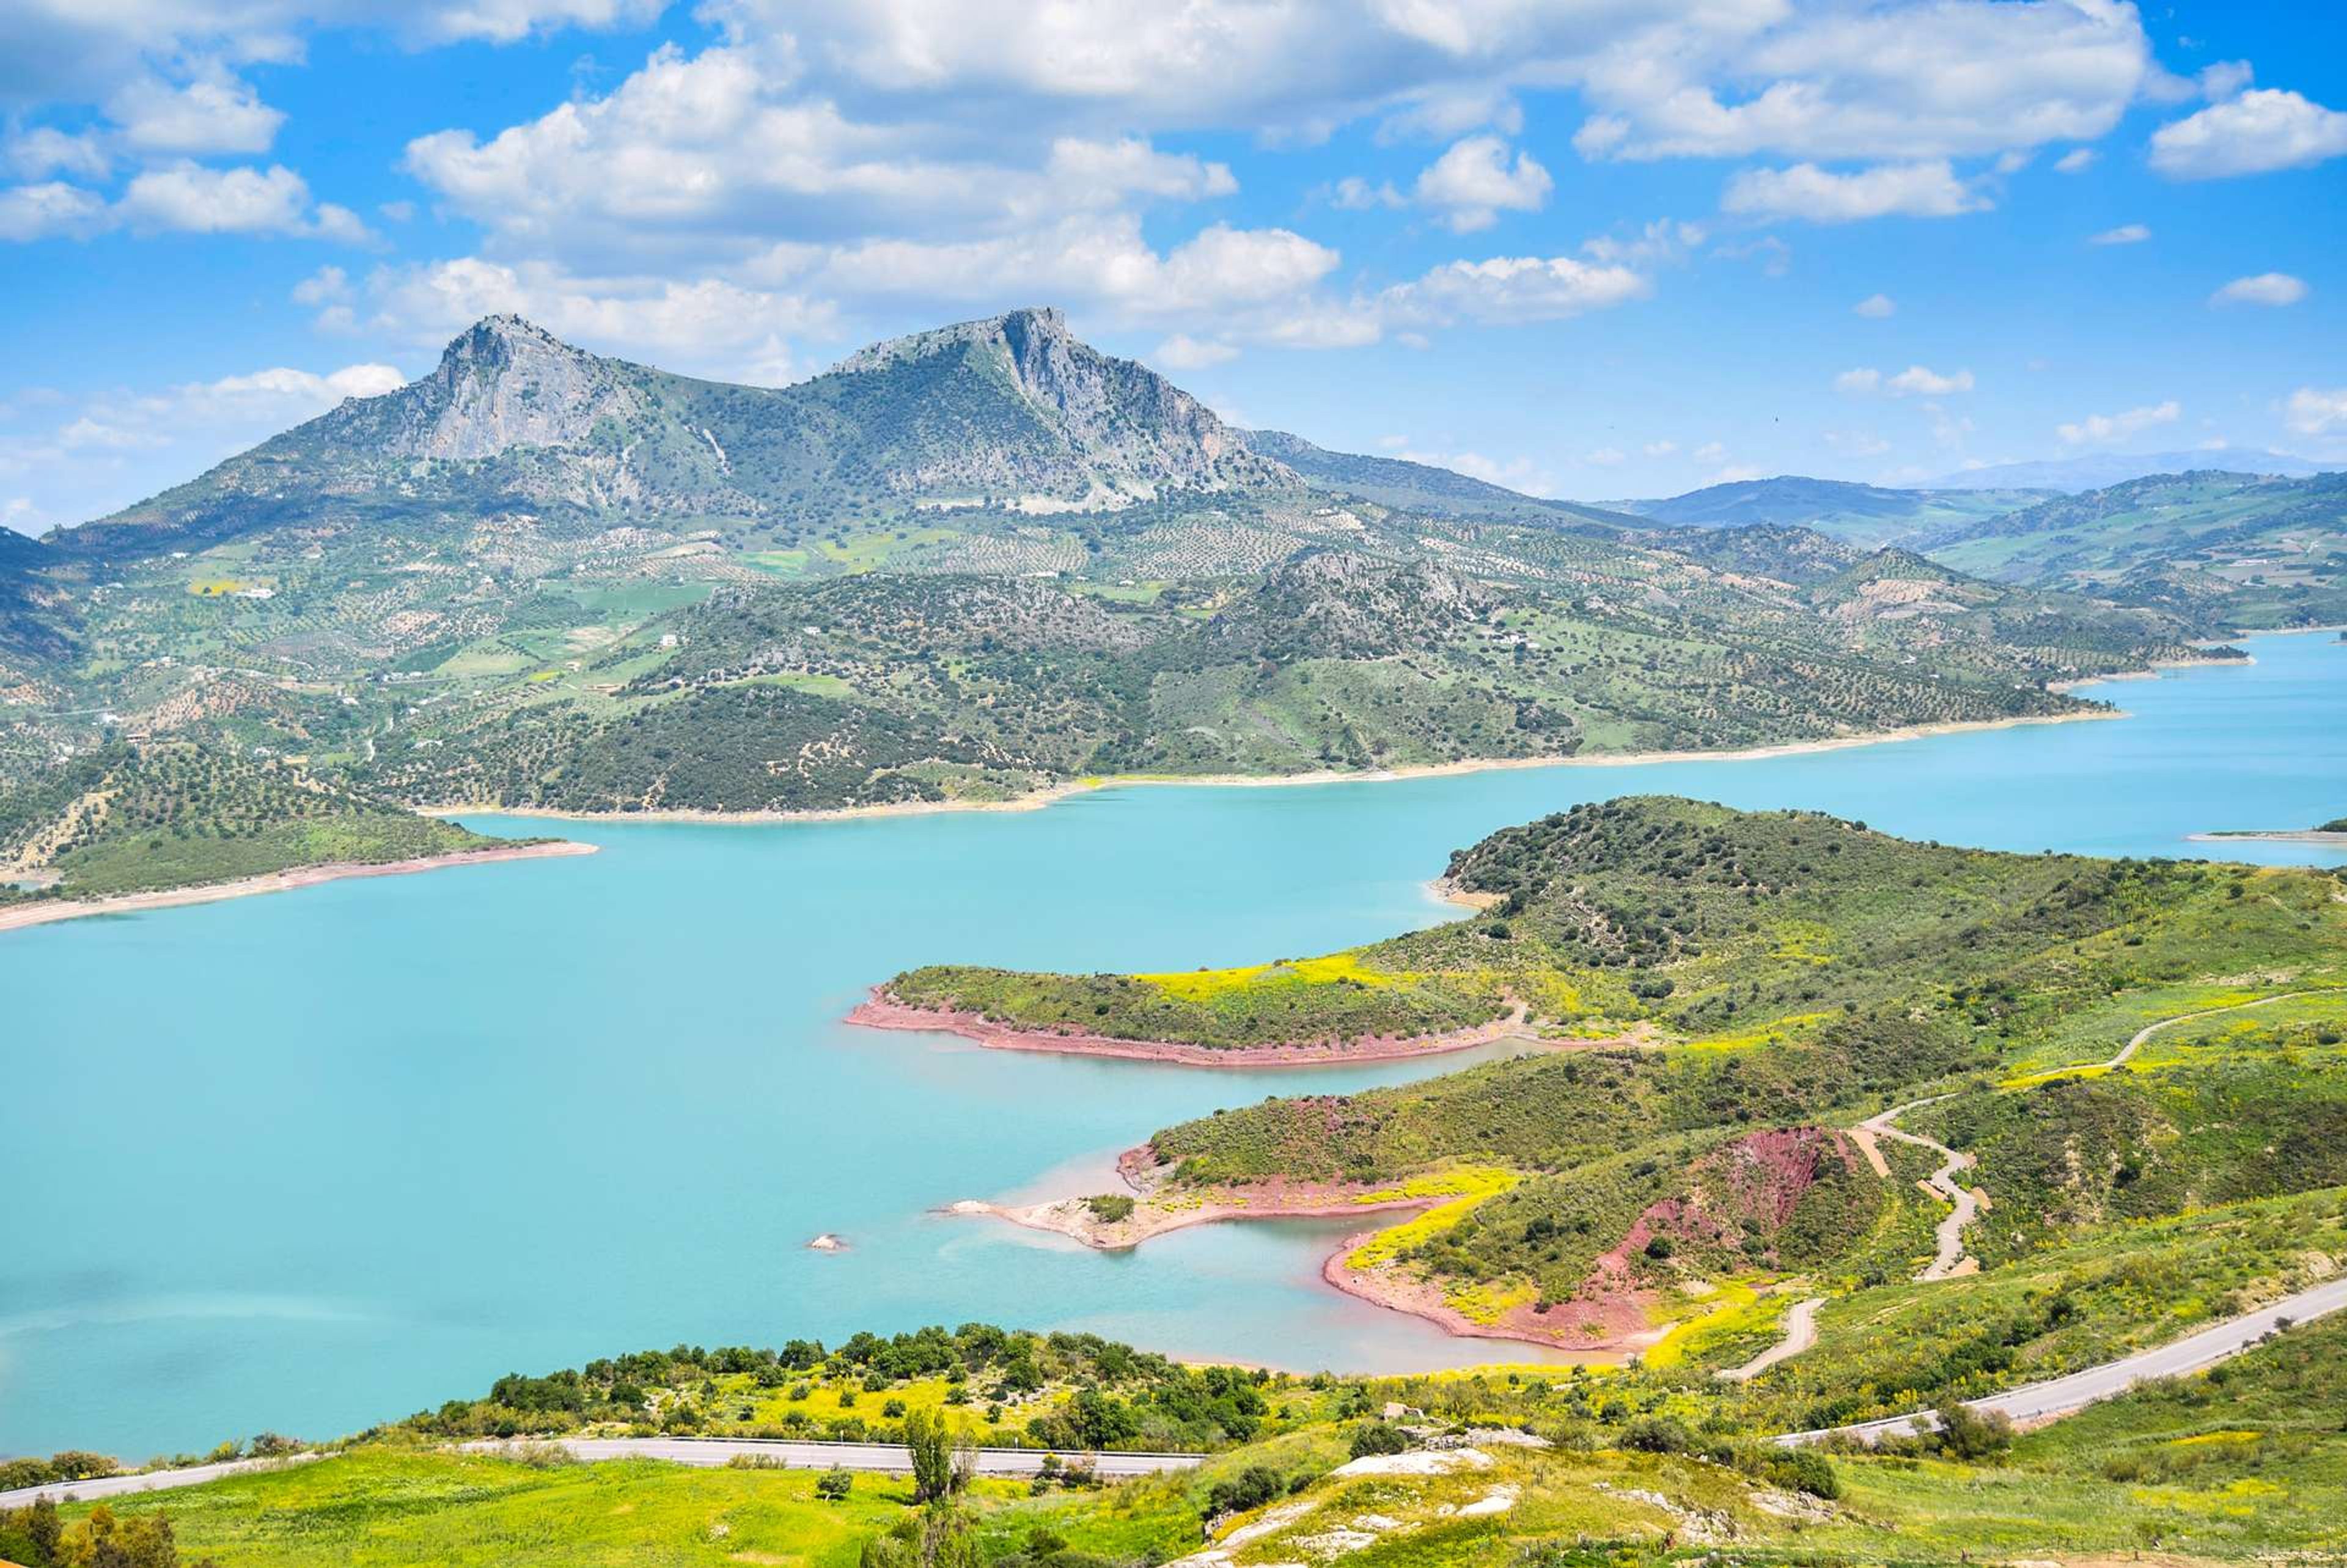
17,917
881,1010
1042,798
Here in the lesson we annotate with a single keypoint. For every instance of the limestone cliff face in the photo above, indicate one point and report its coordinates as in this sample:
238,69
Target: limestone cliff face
504,384
1115,423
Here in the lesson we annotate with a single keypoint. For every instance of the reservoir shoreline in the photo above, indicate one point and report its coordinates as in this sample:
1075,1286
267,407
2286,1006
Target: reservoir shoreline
22,917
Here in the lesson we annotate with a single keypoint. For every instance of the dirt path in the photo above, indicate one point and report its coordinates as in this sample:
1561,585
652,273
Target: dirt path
1964,1202
1800,1333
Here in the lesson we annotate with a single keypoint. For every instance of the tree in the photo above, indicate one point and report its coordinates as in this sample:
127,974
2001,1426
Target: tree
931,1446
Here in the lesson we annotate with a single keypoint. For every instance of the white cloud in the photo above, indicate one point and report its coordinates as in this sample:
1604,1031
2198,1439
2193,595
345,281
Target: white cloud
1893,81
2264,289
1515,473
1183,352
2106,429
1473,182
49,210
44,149
1659,448
325,286
1711,452
2225,79
1909,189
2314,411
1605,457
2077,161
1875,307
2124,234
708,326
2255,133
1354,194
189,198
1915,380
1512,290
215,113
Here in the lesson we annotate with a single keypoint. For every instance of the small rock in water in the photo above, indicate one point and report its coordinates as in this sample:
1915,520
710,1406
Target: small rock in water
827,1242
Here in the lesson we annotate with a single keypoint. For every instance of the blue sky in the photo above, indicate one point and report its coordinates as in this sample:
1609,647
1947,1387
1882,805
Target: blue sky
1592,247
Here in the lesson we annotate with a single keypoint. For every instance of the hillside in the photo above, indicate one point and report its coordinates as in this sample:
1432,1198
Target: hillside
1865,514
1745,989
2098,470
881,688
134,818
1421,487
2224,549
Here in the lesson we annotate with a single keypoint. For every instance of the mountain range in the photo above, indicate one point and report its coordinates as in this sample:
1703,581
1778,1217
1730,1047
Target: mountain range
968,564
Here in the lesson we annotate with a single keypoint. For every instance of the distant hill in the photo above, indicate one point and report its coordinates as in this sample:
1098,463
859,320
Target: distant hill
2223,549
1012,411
1397,482
2095,470
1862,514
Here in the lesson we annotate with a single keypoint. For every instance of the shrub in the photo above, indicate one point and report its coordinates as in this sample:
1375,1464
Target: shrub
1377,1437
834,1485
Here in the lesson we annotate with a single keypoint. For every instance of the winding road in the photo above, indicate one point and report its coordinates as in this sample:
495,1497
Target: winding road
2067,1395
711,1454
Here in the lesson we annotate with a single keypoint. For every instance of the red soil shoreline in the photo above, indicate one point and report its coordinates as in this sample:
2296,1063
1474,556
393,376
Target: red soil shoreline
881,1010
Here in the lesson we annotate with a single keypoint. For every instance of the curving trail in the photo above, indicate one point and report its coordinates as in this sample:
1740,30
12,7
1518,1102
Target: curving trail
1950,1261
1963,1202
1800,1333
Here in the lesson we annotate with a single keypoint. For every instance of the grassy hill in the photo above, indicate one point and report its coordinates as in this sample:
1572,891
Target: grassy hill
2227,549
134,818
1866,515
1766,982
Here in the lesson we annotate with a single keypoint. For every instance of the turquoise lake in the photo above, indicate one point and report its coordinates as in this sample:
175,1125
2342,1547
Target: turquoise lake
305,1161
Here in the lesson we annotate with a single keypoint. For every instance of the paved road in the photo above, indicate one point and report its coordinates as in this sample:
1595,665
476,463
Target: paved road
107,1486
889,1457
710,1452
2068,1395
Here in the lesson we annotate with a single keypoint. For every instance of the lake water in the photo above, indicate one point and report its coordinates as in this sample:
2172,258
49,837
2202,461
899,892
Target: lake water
314,1160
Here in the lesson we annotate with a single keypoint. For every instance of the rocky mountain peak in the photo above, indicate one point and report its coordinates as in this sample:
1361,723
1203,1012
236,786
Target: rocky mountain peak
504,382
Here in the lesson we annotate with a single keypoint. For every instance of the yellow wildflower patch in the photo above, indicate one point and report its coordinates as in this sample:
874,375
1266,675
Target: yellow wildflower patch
1466,1187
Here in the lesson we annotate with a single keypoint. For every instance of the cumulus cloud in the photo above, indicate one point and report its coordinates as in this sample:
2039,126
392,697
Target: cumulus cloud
1928,189
1354,194
2077,161
2263,289
1511,289
49,210
710,326
215,113
2256,133
1183,352
1899,81
180,197
2124,234
2106,429
1473,182
1875,307
2312,411
44,149
1915,380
